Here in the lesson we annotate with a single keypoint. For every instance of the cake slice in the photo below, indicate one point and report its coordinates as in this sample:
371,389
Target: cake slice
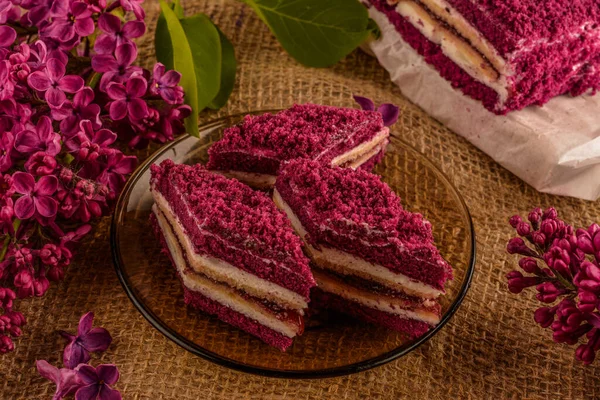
235,253
507,54
253,150
369,254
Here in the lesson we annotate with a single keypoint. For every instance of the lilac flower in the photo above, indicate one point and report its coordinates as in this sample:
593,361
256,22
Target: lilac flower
37,196
43,138
89,145
172,121
135,6
114,35
117,167
7,87
389,112
96,382
6,148
7,35
40,163
116,68
54,82
127,99
88,340
165,85
69,19
81,108
67,380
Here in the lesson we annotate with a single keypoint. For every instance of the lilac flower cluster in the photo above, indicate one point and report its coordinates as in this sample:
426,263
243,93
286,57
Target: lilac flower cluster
77,376
68,93
562,264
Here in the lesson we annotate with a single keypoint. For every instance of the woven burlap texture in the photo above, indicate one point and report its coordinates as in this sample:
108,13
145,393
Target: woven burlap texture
490,349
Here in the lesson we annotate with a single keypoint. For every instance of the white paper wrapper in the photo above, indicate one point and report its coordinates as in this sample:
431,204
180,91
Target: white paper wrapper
554,148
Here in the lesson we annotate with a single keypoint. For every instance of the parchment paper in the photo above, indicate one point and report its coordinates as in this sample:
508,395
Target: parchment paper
554,148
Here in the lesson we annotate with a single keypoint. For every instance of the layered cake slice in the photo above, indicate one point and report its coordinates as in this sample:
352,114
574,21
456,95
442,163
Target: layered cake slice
253,150
507,54
371,258
235,253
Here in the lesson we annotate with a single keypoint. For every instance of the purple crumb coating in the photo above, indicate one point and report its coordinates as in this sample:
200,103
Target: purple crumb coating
232,222
411,327
224,313
356,212
543,69
261,142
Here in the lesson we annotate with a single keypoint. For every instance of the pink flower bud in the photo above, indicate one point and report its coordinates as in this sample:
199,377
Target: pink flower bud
550,213
40,286
585,354
514,221
529,265
523,229
548,292
6,345
24,283
588,301
518,246
545,316
517,282
539,238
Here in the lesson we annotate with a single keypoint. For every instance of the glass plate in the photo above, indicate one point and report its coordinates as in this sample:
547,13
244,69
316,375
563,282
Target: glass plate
332,345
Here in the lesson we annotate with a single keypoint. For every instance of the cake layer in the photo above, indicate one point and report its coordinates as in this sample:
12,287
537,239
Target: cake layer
227,220
481,48
410,327
427,311
345,263
351,218
261,143
221,271
286,322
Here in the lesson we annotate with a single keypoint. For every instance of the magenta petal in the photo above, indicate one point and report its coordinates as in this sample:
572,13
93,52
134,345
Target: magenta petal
104,63
108,393
27,142
97,339
364,103
105,137
55,97
126,165
105,44
137,108
74,354
55,68
24,207
8,35
108,373
84,26
109,23
171,78
39,81
136,86
134,29
71,83
46,206
88,374
23,182
118,110
48,371
158,71
116,91
46,186
84,97
85,323
125,54
389,113
89,392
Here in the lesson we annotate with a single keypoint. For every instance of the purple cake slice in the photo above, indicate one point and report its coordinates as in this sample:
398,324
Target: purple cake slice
253,150
366,249
506,53
235,253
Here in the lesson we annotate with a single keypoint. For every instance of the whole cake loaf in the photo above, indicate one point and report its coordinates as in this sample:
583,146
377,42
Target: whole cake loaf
253,150
235,253
371,258
508,54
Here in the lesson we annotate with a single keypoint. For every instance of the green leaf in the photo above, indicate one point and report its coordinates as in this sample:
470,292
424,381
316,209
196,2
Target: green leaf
317,33
228,69
162,39
177,9
205,45
183,62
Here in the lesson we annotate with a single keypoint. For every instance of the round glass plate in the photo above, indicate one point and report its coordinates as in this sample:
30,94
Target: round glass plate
331,345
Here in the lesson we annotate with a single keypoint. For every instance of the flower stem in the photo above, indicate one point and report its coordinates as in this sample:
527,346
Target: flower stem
16,226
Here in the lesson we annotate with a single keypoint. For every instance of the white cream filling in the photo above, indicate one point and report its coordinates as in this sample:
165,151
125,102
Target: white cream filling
455,48
216,292
222,271
355,164
255,180
388,304
367,147
348,264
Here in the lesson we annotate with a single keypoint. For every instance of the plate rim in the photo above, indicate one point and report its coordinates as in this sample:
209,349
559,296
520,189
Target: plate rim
215,358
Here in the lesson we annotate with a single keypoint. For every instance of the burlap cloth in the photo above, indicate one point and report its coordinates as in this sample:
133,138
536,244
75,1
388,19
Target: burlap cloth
490,349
